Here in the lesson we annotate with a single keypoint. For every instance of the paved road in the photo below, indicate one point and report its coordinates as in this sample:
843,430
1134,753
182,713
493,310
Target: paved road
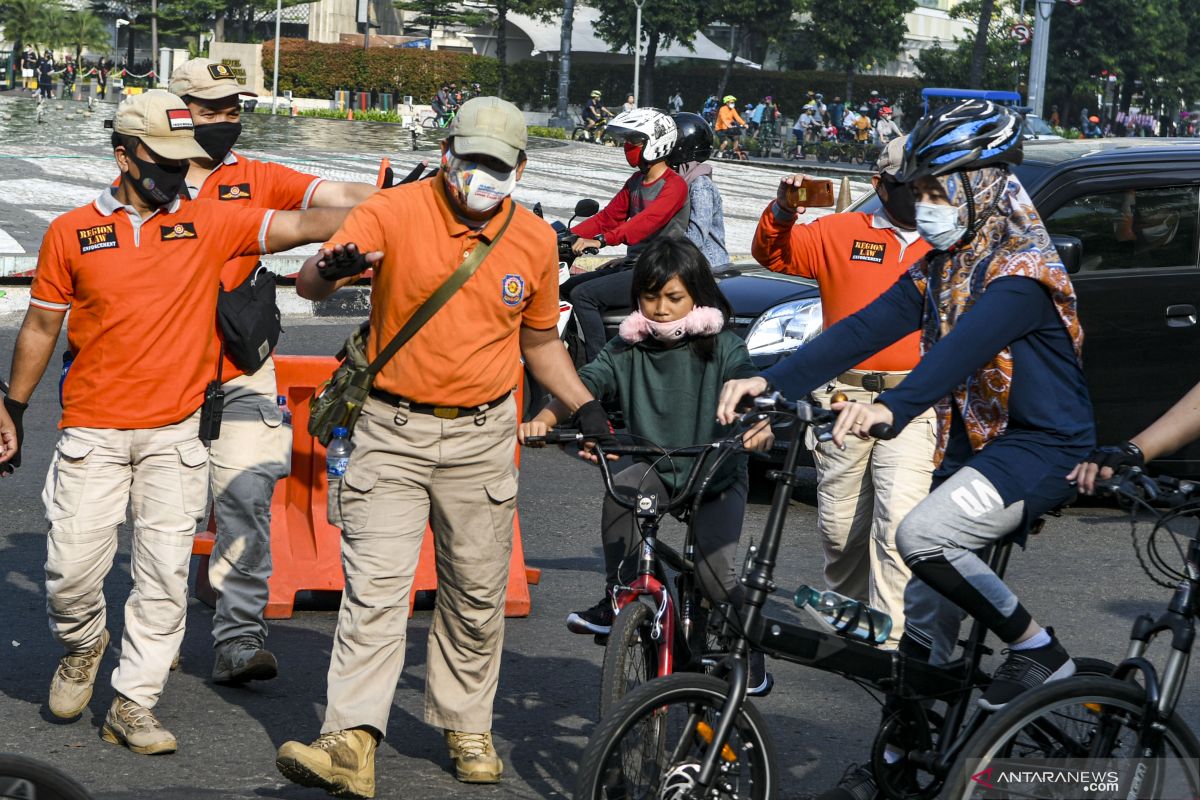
1080,575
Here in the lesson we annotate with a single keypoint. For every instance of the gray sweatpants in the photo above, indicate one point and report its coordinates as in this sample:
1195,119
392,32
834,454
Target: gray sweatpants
717,527
939,540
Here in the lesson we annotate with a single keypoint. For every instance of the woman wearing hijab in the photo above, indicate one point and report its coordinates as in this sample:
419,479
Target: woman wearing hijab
1001,348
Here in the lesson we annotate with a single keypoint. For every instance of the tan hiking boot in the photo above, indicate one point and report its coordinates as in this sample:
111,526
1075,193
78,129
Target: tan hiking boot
175,663
243,659
71,686
475,760
340,762
137,728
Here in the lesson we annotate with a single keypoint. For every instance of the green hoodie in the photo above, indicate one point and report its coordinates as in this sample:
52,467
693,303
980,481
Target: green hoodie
669,394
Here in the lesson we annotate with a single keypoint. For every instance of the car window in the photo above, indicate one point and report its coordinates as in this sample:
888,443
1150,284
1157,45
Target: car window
1133,229
1038,126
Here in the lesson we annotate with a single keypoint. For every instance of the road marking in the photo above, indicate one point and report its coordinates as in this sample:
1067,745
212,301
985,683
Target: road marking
8,244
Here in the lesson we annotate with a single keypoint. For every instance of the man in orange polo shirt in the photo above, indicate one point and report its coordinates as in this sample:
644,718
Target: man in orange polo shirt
138,270
865,490
435,445
254,450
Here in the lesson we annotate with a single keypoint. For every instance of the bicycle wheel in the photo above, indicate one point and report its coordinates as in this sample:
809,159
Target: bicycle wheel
652,743
581,134
631,657
1093,720
429,123
21,776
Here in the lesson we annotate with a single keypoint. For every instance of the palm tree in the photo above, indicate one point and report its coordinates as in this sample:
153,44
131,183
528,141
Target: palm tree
23,22
86,30
53,25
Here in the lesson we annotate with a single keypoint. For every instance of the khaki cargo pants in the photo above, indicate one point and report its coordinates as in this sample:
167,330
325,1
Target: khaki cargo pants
863,492
458,475
253,452
95,475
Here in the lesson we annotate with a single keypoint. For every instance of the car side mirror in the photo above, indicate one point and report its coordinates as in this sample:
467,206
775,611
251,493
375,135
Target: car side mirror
587,208
1070,250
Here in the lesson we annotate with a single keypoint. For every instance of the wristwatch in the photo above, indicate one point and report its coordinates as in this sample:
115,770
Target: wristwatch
600,238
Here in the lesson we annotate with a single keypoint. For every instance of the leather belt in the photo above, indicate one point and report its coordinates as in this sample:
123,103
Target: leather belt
441,412
873,381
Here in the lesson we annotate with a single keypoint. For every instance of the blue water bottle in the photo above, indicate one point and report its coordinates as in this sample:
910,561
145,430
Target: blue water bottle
337,455
281,401
844,615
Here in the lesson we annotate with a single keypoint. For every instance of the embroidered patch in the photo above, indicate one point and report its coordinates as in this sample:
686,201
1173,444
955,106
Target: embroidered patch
868,251
513,289
98,237
239,191
220,71
179,119
180,230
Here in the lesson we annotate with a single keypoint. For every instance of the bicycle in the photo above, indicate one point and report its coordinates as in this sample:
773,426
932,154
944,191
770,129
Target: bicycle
668,634
769,140
697,736
435,121
1106,723
596,134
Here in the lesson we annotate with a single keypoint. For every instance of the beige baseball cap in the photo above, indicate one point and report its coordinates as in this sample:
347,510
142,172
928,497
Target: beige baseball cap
206,80
163,123
489,126
892,157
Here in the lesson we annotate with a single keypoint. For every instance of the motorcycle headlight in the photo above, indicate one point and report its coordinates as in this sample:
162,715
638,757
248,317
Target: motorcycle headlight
785,327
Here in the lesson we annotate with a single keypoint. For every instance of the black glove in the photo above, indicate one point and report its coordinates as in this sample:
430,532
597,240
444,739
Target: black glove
17,412
346,264
1125,454
592,421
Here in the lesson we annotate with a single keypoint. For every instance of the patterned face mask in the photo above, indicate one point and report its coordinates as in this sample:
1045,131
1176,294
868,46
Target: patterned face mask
479,188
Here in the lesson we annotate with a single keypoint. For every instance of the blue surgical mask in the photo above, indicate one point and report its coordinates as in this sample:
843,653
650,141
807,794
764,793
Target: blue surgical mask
939,225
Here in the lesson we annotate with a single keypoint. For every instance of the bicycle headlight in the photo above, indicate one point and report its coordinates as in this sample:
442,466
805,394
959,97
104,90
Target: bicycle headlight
785,327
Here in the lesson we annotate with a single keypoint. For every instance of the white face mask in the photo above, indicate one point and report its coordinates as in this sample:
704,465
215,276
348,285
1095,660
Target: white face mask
477,186
939,225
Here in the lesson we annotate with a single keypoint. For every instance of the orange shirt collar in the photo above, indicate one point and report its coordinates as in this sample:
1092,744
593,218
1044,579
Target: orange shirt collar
108,204
455,226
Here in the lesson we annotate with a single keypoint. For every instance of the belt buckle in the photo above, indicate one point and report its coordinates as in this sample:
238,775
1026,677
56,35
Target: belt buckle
445,412
874,382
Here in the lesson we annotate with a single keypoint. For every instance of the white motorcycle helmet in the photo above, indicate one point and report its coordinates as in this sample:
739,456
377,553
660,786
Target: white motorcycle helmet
653,129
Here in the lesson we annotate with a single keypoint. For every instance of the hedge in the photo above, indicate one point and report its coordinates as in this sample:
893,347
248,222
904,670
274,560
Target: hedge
311,69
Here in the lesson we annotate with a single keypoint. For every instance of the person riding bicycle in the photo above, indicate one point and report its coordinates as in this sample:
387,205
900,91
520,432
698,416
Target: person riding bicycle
706,216
709,111
652,203
594,113
729,123
664,371
1001,364
862,126
865,488
886,128
443,105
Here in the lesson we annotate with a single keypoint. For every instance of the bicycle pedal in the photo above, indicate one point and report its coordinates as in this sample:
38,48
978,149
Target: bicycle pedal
601,639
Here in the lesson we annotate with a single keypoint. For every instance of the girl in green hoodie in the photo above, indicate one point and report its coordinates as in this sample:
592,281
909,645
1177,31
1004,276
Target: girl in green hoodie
664,371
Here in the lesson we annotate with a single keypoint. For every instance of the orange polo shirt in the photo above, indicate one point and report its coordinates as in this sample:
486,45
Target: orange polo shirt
852,261
142,296
240,182
726,116
469,352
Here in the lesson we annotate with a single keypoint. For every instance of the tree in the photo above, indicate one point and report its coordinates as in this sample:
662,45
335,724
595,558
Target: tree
22,21
498,10
754,18
442,14
856,33
85,30
979,51
664,22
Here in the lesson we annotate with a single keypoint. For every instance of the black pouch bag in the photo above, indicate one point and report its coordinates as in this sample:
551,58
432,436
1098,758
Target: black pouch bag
250,320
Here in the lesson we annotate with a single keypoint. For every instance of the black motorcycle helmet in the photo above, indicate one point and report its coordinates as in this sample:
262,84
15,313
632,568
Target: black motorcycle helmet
968,135
695,139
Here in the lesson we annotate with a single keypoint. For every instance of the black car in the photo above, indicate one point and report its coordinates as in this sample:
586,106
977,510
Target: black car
1125,214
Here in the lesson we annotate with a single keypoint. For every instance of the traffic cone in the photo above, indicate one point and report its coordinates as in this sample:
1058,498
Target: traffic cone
293,109
843,200
350,114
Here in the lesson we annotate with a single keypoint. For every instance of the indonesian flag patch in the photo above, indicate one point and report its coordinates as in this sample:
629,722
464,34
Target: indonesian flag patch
179,119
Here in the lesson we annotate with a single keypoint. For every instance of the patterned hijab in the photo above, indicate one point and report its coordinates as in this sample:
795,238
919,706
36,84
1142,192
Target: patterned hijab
1012,241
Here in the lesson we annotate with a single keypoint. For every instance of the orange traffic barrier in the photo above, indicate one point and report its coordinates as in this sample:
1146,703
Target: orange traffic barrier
305,548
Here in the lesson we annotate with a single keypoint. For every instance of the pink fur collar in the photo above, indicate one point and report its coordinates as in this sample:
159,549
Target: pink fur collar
700,321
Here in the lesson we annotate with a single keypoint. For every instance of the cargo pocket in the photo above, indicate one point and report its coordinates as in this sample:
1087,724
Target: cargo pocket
280,436
350,497
502,494
193,476
70,479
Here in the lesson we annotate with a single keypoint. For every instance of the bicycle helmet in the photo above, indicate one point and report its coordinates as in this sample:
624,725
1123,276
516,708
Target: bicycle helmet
694,139
596,93
971,134
728,99
654,126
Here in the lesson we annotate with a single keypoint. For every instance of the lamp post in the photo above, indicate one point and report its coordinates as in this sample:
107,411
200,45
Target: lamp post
564,66
275,76
637,51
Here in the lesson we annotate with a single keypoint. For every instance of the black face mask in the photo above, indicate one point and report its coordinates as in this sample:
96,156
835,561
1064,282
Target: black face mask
900,205
159,184
218,138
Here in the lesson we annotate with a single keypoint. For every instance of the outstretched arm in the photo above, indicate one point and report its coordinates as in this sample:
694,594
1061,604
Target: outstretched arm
288,229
